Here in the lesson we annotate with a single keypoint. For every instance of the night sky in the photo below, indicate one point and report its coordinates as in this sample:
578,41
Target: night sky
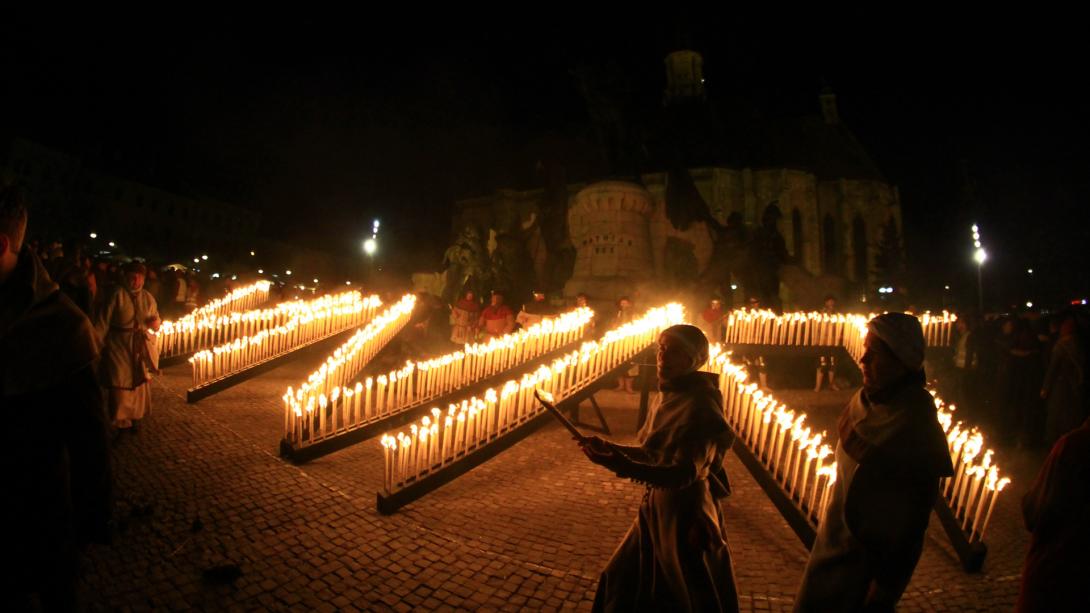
324,124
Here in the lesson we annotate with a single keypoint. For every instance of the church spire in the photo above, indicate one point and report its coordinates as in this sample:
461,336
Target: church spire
828,106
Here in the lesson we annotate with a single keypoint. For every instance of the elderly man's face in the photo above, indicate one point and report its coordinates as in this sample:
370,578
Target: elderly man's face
672,360
880,366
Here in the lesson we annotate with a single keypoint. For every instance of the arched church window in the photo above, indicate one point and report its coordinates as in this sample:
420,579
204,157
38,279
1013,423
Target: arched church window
796,233
830,263
859,248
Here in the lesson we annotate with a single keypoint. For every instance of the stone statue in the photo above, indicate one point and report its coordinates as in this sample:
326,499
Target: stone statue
729,257
467,265
767,252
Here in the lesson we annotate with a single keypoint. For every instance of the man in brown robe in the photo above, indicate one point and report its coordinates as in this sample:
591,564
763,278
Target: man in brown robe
56,478
890,457
128,360
675,556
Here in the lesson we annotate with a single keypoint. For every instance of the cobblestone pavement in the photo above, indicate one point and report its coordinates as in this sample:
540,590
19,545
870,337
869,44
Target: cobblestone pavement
202,486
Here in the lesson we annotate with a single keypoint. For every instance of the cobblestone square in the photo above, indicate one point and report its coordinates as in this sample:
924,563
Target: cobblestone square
202,486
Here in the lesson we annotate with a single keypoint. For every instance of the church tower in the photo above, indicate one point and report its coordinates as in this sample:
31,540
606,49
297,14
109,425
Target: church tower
684,77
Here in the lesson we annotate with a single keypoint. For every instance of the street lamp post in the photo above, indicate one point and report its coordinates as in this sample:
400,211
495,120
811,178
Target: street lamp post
370,246
979,256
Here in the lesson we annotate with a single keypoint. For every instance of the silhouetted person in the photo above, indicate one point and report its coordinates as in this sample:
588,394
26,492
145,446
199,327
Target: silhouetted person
1054,510
826,368
626,312
890,457
756,366
1065,383
965,364
56,480
1022,387
675,555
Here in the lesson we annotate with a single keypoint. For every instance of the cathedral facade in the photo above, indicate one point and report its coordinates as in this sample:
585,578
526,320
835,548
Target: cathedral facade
837,215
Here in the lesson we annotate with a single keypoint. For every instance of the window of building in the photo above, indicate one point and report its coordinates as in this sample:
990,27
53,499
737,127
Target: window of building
830,261
859,248
796,234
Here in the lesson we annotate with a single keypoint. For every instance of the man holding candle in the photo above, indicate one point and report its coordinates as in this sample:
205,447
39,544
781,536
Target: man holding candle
891,455
675,556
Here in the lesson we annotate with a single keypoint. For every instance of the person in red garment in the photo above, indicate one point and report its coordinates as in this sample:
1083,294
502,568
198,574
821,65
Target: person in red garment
675,556
711,321
497,318
1055,511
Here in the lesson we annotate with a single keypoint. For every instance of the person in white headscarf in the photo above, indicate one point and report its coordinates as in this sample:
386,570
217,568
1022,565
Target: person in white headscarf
890,457
675,556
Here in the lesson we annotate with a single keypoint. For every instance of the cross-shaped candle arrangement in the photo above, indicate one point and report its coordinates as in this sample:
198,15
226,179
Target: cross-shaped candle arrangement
443,437
348,407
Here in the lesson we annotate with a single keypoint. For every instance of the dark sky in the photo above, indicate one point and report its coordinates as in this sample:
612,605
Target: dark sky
322,124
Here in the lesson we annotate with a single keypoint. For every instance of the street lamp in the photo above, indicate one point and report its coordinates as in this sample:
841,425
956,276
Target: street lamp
979,256
370,246
94,235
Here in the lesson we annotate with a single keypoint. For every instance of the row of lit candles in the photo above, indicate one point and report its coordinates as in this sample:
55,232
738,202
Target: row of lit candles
443,437
239,299
974,489
765,327
236,301
190,335
779,437
322,318
379,397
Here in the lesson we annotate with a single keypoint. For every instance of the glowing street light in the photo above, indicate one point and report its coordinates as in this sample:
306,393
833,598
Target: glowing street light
287,272
204,257
370,246
112,244
94,235
979,256
252,253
